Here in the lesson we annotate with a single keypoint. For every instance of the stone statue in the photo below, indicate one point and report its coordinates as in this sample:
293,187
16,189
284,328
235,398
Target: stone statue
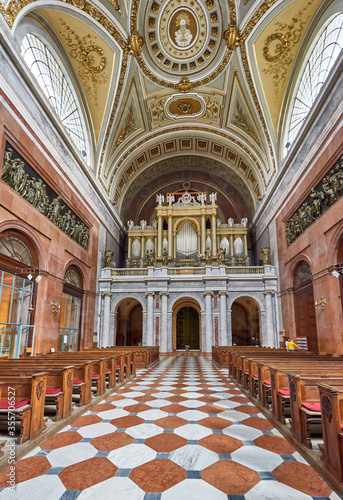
230,222
165,258
150,258
143,224
221,256
154,223
265,254
160,199
108,257
213,198
170,199
218,222
244,222
130,224
208,257
201,198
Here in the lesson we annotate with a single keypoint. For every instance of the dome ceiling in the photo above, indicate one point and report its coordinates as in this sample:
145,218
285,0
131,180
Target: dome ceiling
178,78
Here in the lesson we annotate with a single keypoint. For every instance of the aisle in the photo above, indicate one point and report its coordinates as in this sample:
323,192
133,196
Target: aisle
163,437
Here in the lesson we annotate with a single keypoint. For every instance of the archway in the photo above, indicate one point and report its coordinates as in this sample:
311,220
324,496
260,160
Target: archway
129,325
19,278
245,317
305,314
186,324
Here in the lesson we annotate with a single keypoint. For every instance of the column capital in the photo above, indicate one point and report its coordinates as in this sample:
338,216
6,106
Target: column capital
106,294
207,292
268,292
166,294
222,292
149,294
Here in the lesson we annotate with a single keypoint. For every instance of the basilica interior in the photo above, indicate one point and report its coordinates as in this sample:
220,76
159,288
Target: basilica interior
171,175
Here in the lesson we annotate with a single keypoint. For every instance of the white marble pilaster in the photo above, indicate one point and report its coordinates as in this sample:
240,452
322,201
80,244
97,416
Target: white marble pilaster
223,319
164,322
208,320
106,319
150,318
269,318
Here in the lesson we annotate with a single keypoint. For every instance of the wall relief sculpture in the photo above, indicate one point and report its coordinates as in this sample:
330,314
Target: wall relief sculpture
18,175
322,197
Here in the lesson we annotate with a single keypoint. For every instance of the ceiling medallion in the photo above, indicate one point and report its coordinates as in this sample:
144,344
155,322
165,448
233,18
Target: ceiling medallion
183,41
178,106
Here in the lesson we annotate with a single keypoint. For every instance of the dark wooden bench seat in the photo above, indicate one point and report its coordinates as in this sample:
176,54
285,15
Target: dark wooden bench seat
29,394
331,402
305,399
59,382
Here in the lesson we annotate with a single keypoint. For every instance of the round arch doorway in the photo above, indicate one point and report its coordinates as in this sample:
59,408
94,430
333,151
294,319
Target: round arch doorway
186,324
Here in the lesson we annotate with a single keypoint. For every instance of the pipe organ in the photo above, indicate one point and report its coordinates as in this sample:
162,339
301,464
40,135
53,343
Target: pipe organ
187,232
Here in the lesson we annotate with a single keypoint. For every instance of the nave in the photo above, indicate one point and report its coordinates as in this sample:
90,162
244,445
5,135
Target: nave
180,430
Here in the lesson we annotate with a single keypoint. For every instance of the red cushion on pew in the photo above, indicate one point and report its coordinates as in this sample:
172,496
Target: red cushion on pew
235,364
255,376
125,364
117,366
18,403
312,406
95,375
131,362
52,390
247,372
267,382
108,371
284,393
77,381
342,427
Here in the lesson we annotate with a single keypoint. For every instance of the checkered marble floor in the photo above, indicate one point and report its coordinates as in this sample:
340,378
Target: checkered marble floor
163,437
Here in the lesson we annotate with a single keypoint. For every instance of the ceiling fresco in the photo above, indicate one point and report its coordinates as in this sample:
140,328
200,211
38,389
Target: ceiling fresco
180,82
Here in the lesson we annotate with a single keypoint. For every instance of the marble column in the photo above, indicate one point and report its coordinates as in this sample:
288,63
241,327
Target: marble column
106,319
203,234
164,322
214,235
229,328
223,318
129,245
159,237
150,319
269,318
170,237
208,321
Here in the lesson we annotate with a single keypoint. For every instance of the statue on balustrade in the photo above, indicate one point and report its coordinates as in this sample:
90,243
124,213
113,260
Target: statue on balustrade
208,257
108,257
150,258
221,256
265,254
165,258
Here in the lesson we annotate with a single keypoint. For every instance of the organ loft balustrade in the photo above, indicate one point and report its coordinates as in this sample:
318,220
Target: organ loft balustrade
187,231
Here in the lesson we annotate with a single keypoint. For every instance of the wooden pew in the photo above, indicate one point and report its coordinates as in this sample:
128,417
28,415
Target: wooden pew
30,398
304,391
59,389
331,402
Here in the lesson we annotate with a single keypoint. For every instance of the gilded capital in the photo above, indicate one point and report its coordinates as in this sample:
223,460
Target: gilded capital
185,85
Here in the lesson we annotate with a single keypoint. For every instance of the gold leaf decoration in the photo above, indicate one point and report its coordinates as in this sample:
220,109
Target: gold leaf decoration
130,126
241,121
90,58
280,55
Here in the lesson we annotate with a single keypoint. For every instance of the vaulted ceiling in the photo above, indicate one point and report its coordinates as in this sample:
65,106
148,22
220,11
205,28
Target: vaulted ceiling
175,85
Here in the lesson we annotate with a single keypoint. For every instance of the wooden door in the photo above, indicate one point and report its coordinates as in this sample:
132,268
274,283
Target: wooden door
187,328
305,316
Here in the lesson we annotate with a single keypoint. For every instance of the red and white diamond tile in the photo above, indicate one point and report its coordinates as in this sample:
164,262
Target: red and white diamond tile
162,437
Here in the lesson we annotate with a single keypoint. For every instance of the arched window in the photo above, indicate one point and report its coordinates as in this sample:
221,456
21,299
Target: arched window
316,70
303,273
55,86
70,319
17,297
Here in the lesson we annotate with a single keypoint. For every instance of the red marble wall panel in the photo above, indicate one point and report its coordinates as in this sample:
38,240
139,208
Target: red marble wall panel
318,246
56,251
